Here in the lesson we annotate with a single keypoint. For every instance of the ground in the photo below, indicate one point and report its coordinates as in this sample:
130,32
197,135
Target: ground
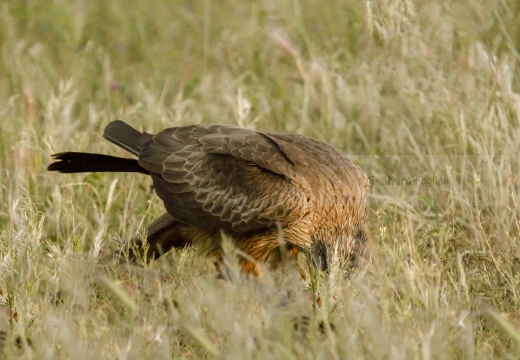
423,95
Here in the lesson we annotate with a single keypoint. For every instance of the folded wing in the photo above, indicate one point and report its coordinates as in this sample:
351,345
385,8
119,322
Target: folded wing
224,177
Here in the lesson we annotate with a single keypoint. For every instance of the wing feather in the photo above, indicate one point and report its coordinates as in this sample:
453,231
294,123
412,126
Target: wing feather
224,177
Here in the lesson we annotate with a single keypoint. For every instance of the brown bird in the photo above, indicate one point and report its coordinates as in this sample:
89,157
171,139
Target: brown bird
259,189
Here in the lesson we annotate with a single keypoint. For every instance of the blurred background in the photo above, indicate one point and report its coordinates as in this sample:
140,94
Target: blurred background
423,95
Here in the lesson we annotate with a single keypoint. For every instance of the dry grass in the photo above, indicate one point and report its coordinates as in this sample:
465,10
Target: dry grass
415,90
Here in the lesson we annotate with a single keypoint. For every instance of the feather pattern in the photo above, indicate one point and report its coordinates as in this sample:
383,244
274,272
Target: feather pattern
216,179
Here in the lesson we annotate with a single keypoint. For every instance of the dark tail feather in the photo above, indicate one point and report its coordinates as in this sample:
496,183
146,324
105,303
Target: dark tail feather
125,136
77,162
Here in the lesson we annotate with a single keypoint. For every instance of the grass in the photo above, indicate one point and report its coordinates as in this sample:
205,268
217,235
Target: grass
424,95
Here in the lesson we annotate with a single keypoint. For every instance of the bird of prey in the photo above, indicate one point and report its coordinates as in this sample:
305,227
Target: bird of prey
259,189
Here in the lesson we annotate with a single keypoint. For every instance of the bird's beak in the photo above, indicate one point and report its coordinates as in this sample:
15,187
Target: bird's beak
319,256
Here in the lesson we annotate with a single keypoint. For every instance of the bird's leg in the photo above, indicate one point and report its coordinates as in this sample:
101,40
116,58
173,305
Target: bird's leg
250,267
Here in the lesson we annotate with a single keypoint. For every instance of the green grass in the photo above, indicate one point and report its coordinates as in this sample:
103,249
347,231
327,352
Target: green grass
413,90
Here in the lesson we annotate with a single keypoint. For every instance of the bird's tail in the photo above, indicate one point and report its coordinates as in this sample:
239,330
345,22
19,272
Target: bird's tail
77,162
117,132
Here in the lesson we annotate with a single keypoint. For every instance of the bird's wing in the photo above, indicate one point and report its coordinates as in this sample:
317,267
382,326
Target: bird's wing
334,166
123,135
224,177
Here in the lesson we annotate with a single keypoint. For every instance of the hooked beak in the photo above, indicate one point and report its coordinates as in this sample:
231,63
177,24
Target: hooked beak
318,253
344,254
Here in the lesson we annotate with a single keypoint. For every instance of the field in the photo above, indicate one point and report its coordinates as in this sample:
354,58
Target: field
424,96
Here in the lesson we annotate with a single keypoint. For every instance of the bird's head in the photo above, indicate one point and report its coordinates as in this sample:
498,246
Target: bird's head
338,252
